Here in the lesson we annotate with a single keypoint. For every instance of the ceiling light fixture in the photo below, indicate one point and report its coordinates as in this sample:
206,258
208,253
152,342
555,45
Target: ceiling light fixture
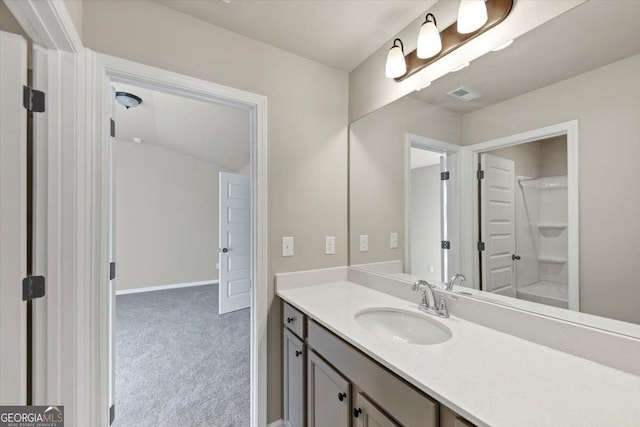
472,15
429,42
396,65
474,18
128,100
503,46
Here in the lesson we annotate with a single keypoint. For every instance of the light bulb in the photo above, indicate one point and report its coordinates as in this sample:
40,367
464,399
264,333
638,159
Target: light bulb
429,42
472,15
396,64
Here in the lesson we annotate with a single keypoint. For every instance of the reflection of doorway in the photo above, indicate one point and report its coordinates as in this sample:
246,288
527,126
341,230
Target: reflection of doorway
431,215
525,217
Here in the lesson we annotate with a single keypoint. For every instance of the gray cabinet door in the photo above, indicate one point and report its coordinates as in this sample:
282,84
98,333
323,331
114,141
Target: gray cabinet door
366,414
329,395
293,371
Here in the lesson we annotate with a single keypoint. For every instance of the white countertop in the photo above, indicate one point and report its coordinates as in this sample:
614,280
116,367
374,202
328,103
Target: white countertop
487,376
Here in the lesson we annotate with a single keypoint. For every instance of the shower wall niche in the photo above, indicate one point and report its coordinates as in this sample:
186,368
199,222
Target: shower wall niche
541,240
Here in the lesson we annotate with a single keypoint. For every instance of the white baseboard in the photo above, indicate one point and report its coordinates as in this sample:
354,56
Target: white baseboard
165,287
278,423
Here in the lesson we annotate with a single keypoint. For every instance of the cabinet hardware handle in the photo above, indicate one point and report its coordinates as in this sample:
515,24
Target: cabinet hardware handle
290,319
298,353
515,257
357,412
342,396
225,250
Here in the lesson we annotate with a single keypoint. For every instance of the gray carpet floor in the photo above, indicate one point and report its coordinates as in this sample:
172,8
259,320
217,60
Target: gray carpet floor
178,363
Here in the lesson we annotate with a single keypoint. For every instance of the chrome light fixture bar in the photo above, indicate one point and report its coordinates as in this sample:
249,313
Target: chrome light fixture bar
471,13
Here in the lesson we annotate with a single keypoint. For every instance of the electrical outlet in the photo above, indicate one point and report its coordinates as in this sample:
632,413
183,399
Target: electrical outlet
393,240
330,245
364,243
217,266
287,246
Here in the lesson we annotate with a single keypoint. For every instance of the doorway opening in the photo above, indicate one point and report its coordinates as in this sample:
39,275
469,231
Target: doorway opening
526,216
180,244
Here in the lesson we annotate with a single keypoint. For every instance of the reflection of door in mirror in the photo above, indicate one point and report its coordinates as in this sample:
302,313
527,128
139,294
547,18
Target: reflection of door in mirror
523,216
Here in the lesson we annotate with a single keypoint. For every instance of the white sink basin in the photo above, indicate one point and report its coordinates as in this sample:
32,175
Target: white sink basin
403,326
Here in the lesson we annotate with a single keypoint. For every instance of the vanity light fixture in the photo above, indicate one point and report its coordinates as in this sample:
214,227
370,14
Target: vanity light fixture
502,46
474,18
128,100
429,42
472,15
396,65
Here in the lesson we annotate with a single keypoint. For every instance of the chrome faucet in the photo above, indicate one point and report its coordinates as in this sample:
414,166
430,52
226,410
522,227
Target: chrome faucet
428,304
451,282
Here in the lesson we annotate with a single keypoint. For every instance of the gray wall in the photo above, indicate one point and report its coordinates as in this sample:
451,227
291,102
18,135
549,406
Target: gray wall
607,105
166,216
307,129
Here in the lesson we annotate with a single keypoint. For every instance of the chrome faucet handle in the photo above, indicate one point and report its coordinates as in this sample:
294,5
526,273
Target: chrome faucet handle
442,308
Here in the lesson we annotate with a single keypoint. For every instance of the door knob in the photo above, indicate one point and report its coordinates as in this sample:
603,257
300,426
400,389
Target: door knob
225,250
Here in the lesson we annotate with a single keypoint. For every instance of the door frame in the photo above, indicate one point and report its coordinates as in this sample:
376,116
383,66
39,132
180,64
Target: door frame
430,144
102,70
471,229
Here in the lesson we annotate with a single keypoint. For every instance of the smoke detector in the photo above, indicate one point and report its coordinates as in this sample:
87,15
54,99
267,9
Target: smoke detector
464,94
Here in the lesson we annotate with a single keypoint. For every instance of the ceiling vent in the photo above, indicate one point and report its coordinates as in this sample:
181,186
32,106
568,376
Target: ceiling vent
464,94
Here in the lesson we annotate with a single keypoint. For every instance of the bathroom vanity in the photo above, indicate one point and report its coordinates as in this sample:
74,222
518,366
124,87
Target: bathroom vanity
337,371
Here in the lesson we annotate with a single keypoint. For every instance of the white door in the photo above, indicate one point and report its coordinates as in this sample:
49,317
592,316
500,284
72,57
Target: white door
235,242
13,220
293,372
498,231
366,414
328,395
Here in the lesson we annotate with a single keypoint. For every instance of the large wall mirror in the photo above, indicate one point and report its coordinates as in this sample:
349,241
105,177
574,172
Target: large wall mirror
521,171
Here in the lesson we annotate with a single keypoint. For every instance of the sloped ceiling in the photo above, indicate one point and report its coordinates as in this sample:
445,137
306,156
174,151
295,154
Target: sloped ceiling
214,133
338,33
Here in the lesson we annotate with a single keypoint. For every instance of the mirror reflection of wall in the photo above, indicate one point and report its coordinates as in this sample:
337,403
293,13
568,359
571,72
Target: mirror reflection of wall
581,68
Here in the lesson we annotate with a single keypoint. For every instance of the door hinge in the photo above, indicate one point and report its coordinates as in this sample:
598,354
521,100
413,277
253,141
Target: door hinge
481,246
33,100
112,270
112,130
446,244
112,413
444,176
480,174
33,287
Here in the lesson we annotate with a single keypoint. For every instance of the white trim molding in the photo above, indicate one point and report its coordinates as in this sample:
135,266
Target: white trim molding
278,423
470,193
93,238
165,287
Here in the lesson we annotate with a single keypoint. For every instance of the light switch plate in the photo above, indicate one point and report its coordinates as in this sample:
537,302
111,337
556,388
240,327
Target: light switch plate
364,243
431,269
287,246
393,240
330,245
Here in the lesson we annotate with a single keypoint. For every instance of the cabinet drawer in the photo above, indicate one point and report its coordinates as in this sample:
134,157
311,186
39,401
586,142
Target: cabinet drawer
293,319
400,400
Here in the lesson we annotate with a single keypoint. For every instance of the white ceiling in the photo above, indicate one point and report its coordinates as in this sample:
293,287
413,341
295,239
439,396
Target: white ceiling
213,133
587,37
420,158
338,33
